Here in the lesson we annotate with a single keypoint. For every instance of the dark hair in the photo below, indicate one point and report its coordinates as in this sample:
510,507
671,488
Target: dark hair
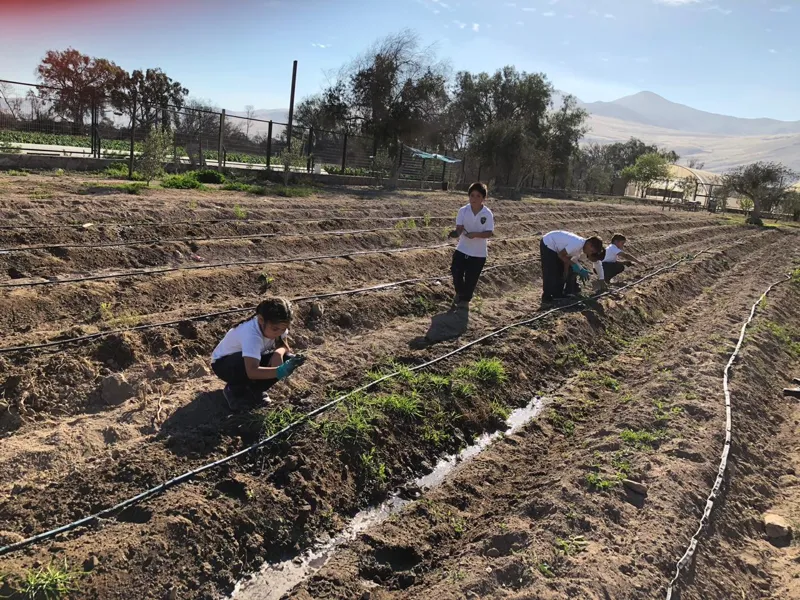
275,310
597,244
618,237
480,188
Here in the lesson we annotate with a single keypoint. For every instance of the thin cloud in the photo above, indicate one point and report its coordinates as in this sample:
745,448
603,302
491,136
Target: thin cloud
719,9
569,16
677,2
594,13
520,23
785,8
773,51
476,27
460,24
511,4
549,13
609,16
322,46
529,9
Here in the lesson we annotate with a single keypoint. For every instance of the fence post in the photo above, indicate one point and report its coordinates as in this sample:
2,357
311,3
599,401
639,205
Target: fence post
133,135
291,107
221,140
269,145
344,154
93,127
310,161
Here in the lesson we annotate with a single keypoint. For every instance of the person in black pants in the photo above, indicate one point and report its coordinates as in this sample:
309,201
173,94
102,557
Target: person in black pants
255,354
559,252
474,226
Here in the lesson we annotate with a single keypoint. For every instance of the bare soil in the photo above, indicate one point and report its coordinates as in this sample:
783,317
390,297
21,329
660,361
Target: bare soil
68,452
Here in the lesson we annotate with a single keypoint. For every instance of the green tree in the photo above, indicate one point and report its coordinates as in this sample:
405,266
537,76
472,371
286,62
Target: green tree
155,150
765,183
77,79
565,127
154,92
648,169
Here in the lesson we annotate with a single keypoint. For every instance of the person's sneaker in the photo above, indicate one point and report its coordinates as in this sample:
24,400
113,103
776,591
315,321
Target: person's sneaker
238,398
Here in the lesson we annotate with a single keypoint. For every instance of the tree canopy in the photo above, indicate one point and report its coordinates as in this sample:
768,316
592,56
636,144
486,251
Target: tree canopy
767,184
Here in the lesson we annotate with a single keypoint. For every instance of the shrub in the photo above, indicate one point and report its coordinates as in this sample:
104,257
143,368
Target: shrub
244,187
155,150
182,182
289,191
209,176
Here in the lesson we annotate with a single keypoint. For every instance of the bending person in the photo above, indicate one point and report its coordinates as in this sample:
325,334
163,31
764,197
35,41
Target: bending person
254,355
611,265
474,226
559,253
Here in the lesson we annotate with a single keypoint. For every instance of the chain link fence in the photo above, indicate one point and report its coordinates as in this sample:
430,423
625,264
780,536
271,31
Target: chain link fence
33,121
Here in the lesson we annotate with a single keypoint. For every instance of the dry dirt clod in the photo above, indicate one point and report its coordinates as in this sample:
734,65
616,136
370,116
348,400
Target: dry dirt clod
346,320
317,310
493,553
776,527
91,563
115,389
635,486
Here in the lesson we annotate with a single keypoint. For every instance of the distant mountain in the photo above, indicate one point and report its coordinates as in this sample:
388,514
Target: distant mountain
648,108
278,115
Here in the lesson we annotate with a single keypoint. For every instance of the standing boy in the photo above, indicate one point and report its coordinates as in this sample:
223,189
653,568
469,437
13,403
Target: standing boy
559,252
474,225
611,265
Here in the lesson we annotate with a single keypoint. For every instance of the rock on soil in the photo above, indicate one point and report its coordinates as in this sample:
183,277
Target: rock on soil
776,527
635,486
115,389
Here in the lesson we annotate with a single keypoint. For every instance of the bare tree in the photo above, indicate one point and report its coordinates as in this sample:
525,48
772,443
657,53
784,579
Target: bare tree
250,113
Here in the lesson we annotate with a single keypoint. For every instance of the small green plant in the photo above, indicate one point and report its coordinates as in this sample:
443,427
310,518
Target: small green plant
106,311
488,371
250,494
288,158
434,436
561,423
59,173
626,398
575,544
273,421
422,306
373,470
500,411
182,182
785,336
193,204
134,188
665,413
600,483
640,439
457,523
350,425
610,383
209,176
426,219
294,191
52,582
15,173
571,355
239,212
545,569
404,406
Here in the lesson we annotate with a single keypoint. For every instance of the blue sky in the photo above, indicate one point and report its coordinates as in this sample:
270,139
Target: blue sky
737,57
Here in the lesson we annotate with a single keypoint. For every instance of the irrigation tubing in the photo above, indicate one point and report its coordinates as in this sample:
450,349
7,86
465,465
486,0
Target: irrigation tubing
723,463
159,489
162,270
233,311
240,263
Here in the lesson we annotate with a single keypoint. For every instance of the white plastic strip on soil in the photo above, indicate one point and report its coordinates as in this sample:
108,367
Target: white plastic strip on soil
276,579
723,464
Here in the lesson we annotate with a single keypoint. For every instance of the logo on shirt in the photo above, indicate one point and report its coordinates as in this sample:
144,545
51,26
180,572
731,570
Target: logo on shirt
483,220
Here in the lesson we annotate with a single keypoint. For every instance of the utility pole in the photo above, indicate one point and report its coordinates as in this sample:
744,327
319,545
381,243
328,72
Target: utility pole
291,108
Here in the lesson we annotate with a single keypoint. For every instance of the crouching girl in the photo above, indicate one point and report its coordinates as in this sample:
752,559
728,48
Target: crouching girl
255,354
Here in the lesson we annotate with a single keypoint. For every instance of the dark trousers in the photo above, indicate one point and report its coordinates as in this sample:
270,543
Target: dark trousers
554,283
466,272
612,269
231,370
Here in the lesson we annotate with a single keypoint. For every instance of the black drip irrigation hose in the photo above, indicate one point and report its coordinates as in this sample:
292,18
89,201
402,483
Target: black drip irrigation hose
233,311
111,224
726,448
241,263
160,489
223,238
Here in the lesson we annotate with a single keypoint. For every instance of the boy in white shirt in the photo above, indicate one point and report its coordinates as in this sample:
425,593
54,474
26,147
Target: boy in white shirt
474,226
254,355
559,252
611,265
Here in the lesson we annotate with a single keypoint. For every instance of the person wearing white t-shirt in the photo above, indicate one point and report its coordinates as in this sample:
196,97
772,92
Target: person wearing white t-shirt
559,252
255,354
474,226
612,265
